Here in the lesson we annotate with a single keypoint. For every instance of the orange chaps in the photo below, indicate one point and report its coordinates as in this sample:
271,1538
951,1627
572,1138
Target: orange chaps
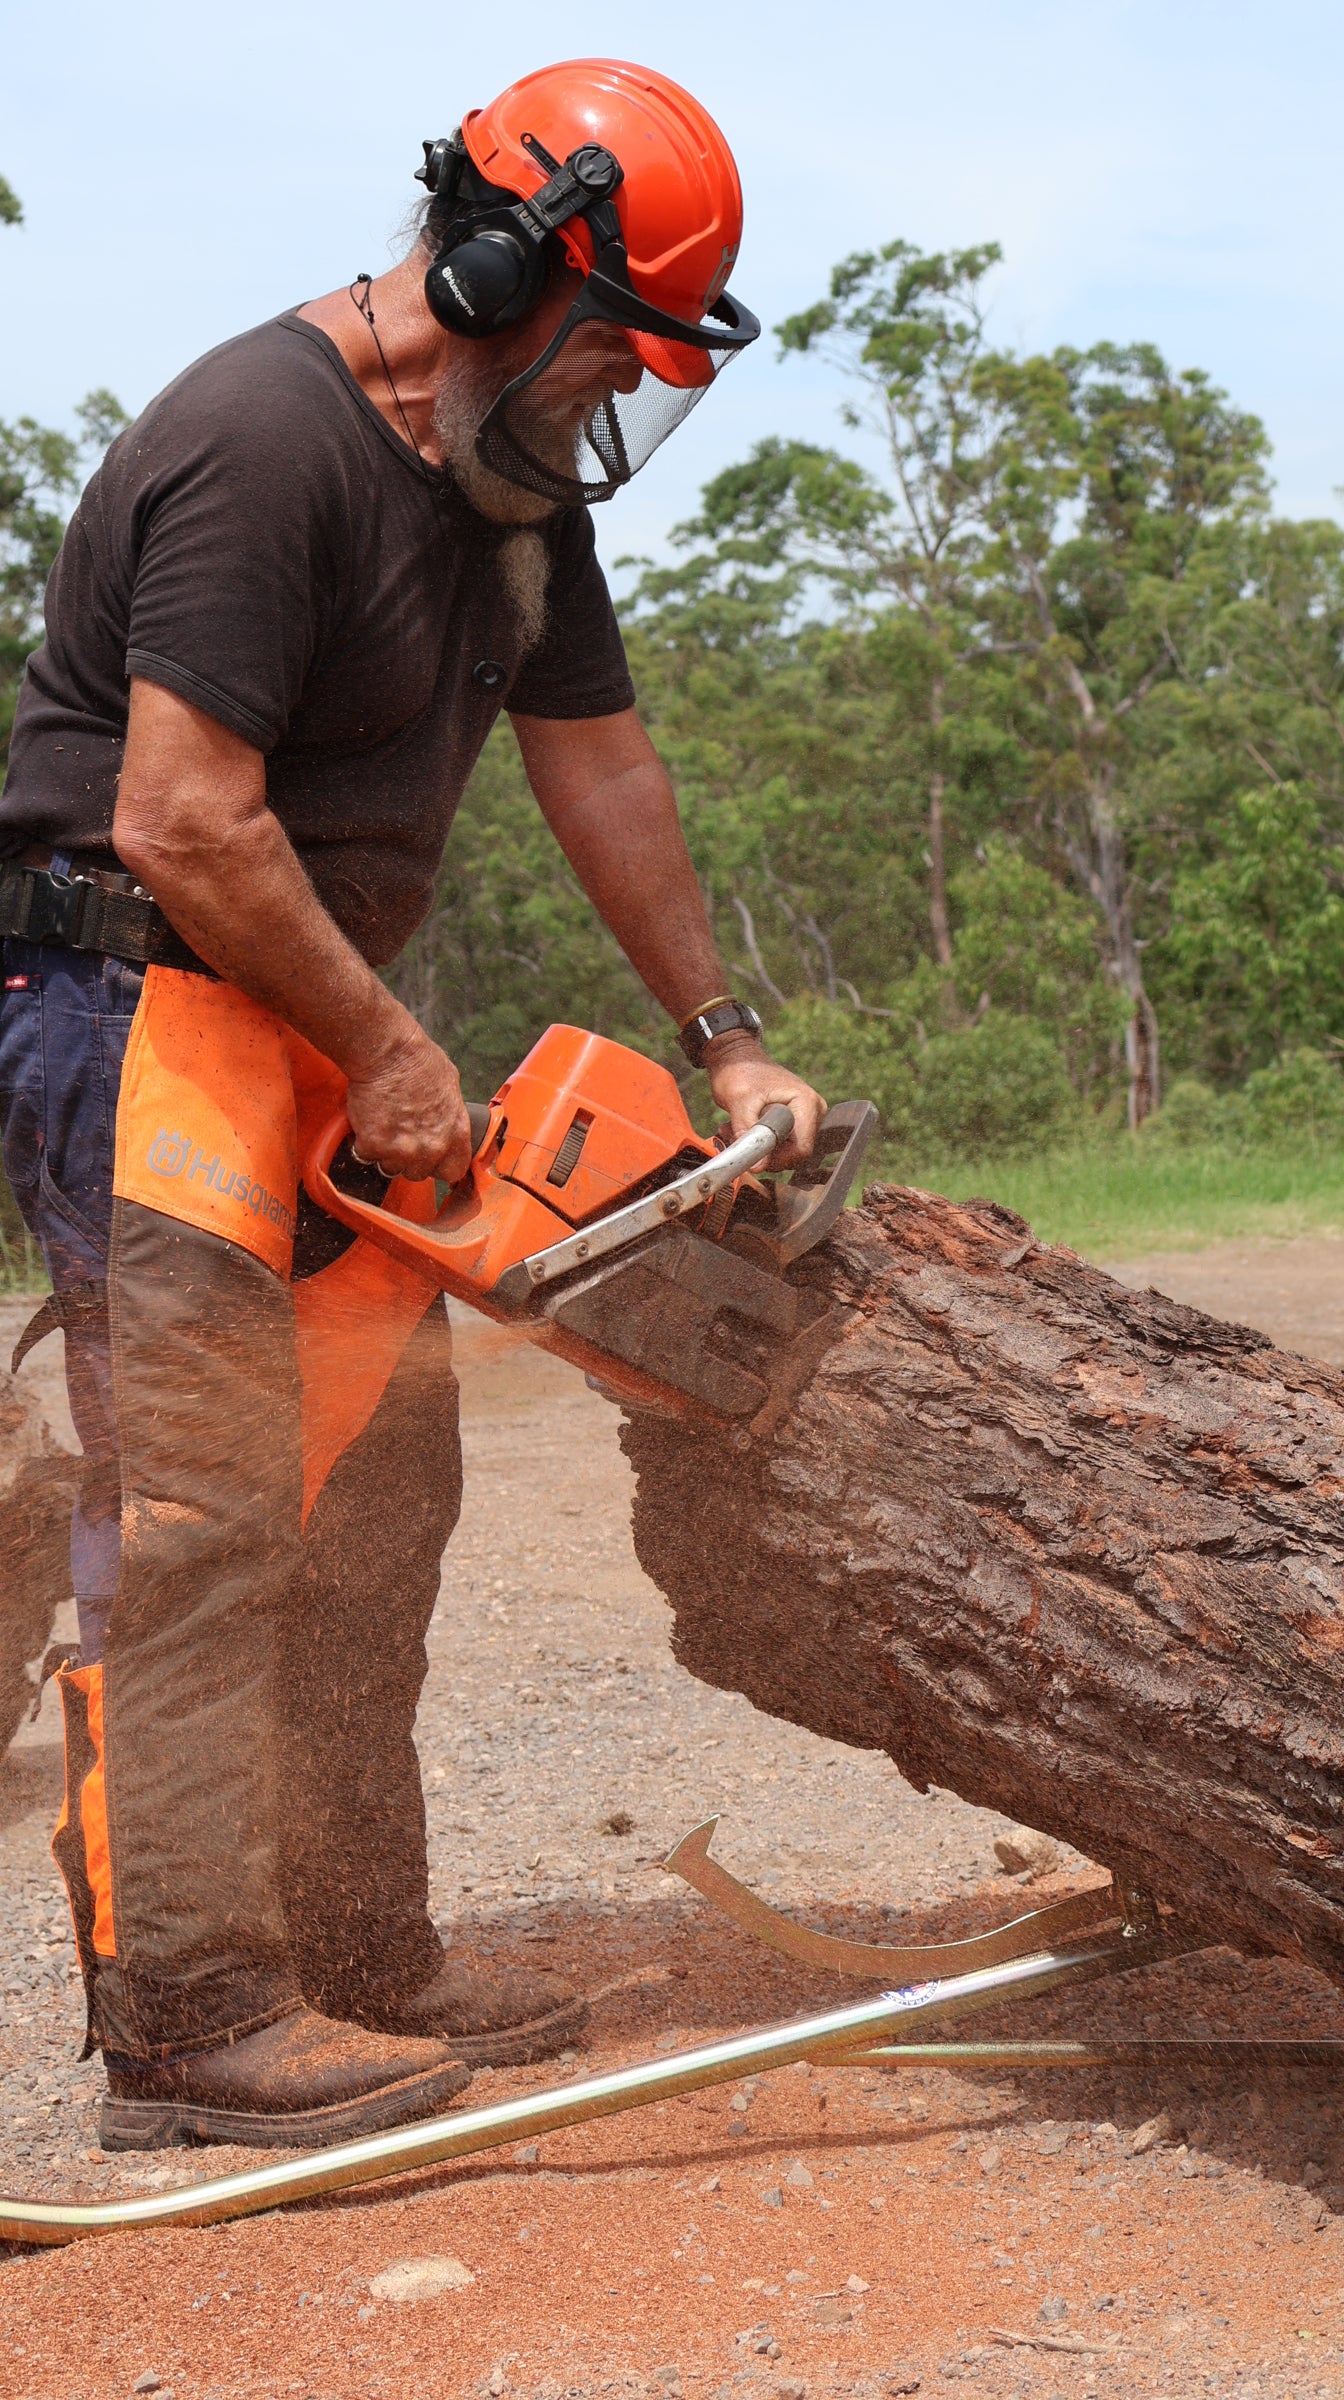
243,1824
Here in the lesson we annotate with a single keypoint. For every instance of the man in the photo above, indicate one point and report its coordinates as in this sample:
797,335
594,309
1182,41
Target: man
286,613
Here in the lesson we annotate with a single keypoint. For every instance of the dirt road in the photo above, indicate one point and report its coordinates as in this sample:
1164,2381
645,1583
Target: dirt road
844,2231
1293,1291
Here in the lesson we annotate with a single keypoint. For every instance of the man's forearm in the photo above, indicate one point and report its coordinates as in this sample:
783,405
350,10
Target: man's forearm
262,927
606,796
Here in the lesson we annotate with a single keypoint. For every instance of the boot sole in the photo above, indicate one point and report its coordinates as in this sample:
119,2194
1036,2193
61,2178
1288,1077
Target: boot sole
126,2124
516,2045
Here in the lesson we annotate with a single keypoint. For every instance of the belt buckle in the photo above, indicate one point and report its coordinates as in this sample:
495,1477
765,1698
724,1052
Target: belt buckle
59,909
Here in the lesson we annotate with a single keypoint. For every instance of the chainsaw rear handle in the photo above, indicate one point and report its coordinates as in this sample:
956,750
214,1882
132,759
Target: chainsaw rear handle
350,1173
478,1118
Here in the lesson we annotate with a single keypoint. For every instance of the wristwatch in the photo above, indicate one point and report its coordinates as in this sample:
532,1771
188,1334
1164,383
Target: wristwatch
716,1017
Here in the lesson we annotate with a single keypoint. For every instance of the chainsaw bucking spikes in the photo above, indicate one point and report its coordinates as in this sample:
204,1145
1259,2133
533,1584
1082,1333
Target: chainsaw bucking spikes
598,1221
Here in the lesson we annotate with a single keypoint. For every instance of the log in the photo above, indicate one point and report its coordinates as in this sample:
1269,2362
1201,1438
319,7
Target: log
1072,1551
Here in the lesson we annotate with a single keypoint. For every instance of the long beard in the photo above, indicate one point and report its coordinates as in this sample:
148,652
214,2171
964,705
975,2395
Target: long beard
525,565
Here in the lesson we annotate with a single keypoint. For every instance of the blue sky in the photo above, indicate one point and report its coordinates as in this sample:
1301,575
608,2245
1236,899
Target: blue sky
1166,171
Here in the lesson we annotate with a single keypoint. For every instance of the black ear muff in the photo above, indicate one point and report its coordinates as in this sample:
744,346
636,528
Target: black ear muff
495,264
486,276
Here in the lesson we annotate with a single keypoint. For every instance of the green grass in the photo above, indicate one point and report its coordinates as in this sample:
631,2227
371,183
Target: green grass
1123,1199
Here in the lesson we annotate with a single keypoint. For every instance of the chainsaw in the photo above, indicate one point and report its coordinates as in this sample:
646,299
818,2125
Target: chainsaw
598,1222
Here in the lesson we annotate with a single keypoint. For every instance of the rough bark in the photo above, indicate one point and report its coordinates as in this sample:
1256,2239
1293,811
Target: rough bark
1072,1551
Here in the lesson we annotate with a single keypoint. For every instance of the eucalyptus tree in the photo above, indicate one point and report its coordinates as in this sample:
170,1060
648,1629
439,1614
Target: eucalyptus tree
905,331
1036,520
1118,480
41,471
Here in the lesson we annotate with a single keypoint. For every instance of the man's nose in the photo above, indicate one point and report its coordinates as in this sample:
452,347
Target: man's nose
613,357
626,370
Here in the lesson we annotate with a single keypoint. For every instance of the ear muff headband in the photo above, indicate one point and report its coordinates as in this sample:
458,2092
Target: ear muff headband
495,264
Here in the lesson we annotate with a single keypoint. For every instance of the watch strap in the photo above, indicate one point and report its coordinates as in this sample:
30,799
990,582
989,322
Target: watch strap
716,1018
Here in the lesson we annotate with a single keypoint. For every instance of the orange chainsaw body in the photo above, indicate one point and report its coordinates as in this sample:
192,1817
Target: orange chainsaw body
580,1125
582,1128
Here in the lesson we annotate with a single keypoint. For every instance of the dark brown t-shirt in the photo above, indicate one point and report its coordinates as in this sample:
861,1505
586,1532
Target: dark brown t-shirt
262,543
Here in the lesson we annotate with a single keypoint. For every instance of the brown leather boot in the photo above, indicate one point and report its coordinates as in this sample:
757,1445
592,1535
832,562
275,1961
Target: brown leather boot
298,2084
488,2019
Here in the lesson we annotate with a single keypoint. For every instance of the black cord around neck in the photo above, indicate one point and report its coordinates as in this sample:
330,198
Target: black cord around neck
365,307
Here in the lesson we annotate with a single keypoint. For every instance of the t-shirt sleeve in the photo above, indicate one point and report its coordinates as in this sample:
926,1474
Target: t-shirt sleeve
239,562
578,668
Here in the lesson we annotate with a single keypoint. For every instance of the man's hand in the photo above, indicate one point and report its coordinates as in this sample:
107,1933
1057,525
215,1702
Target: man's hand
745,1081
407,1113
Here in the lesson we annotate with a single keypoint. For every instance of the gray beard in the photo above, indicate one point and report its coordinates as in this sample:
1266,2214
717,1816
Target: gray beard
463,400
525,565
465,397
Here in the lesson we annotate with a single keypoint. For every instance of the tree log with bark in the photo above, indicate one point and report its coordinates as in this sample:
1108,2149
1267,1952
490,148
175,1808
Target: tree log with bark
1072,1551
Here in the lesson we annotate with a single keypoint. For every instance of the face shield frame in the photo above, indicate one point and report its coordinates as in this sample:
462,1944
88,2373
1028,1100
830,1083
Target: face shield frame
617,436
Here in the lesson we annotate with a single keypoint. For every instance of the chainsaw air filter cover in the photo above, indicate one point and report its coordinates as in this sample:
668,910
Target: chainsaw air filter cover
588,1121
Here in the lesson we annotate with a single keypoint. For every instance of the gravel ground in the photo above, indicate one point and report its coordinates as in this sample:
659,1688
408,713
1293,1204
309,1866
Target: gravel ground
824,2232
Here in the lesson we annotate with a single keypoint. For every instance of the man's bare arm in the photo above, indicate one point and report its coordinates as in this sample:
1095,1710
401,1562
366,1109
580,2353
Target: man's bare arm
193,826
606,796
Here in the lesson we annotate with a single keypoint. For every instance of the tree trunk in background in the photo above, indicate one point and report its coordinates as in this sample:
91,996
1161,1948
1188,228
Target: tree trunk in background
1074,1552
938,919
1107,875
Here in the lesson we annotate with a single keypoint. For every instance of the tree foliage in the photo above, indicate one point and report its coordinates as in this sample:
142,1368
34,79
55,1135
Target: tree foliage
1006,770
41,472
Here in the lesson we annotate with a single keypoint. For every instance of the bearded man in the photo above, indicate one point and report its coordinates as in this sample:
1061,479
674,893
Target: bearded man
287,611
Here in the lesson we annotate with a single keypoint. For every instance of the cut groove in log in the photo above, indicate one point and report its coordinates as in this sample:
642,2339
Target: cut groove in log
1072,1551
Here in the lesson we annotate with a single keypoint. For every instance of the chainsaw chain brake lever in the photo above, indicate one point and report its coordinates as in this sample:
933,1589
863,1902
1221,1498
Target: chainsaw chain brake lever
811,1202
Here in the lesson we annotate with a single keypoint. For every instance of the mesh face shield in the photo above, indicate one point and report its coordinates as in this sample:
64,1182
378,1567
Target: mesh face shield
616,378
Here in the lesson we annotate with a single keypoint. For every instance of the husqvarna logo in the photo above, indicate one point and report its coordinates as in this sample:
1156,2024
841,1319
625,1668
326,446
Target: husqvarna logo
456,289
176,1157
169,1152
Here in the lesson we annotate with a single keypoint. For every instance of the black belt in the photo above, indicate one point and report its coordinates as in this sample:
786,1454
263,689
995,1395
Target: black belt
89,911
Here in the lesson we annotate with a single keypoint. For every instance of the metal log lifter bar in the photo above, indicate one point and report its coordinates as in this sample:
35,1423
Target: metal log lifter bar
1017,1962
1320,2056
469,2131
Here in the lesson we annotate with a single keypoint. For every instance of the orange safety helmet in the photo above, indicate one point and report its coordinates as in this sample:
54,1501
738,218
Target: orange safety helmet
647,207
680,204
